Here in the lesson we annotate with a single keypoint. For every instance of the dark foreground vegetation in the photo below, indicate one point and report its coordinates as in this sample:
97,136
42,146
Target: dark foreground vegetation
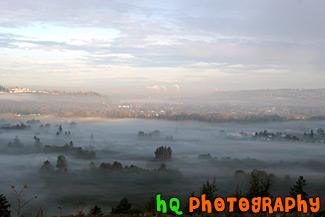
260,185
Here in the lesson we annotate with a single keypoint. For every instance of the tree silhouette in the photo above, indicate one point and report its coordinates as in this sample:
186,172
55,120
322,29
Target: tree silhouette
37,143
96,211
238,194
259,187
47,167
209,189
20,202
312,133
62,163
151,205
60,129
298,188
4,206
123,207
163,153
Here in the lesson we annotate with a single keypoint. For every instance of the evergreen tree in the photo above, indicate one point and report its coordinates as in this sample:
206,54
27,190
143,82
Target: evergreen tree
209,189
259,187
266,187
151,205
298,189
238,194
123,207
96,211
4,206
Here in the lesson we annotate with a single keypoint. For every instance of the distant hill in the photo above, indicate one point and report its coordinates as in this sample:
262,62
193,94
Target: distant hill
314,97
18,90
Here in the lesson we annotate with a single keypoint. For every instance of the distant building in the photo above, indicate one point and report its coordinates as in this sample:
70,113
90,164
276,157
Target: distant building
20,90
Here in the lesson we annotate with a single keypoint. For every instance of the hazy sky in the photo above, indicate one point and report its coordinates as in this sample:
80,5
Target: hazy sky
162,46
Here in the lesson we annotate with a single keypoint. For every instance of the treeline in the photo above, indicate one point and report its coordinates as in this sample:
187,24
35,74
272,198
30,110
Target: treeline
16,146
108,173
182,116
69,149
78,93
246,163
20,126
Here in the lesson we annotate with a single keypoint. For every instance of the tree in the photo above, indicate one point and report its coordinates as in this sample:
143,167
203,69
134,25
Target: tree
259,187
151,205
123,207
37,143
117,165
163,153
4,206
20,203
47,167
298,189
97,211
209,189
16,143
60,129
205,156
62,163
238,194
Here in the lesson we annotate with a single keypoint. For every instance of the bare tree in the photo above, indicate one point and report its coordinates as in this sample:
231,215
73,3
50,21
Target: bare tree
18,195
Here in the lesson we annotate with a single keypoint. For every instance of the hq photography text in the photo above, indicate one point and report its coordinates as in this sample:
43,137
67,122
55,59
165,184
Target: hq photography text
230,204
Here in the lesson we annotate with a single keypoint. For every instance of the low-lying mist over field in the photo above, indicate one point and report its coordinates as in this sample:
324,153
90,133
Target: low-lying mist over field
200,151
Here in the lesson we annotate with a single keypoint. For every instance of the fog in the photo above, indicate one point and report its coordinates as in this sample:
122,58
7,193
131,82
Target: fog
233,146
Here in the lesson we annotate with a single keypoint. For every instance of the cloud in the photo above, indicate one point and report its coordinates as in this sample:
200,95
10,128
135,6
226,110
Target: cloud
159,89
221,42
177,88
155,88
